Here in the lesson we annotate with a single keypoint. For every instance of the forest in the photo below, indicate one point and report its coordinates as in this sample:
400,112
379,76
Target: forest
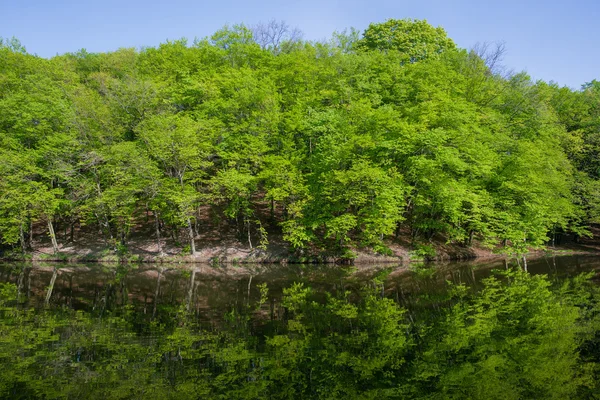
329,145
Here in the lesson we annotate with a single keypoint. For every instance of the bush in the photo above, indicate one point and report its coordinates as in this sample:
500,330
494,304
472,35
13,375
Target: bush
423,251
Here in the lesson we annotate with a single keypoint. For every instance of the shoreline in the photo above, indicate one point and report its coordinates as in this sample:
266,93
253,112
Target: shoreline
265,258
227,250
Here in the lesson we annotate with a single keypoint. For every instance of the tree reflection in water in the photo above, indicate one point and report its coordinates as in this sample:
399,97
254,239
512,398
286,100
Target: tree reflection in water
318,334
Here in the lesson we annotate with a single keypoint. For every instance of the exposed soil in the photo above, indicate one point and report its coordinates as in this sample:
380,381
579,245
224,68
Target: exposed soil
219,242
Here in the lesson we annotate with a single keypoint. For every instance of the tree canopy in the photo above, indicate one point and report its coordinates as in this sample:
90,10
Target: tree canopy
330,145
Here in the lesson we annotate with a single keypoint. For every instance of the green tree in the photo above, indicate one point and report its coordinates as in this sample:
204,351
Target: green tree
181,146
415,39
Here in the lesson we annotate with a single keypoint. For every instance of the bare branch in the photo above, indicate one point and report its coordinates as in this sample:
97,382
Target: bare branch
492,55
271,35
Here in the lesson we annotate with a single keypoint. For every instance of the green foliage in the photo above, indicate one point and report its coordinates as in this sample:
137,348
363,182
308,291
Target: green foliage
517,337
415,40
332,145
423,251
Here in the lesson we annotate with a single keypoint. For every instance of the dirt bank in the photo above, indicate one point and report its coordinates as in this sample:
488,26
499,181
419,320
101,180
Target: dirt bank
89,248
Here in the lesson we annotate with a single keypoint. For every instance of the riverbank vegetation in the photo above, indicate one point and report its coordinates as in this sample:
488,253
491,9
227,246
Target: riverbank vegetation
329,145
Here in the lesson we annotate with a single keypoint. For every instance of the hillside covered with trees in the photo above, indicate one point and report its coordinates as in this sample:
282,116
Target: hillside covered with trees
328,146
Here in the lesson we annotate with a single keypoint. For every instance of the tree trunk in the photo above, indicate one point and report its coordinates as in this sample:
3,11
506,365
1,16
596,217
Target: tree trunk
157,226
123,293
22,237
191,233
272,210
30,234
525,262
189,222
52,236
191,290
249,239
20,285
107,224
156,292
249,284
51,287
28,284
105,215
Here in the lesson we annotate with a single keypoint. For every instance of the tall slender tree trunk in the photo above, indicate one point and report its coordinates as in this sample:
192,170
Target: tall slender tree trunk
28,284
22,238
249,239
52,236
20,284
272,210
249,285
109,230
191,290
189,223
123,292
191,234
157,227
30,234
51,286
105,215
156,292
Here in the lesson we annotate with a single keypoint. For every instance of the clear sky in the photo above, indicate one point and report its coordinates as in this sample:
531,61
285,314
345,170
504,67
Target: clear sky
551,40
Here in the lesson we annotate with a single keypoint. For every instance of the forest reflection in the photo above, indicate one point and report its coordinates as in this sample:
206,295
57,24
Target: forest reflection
432,331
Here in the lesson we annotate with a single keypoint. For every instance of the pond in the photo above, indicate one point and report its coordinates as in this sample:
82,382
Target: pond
480,330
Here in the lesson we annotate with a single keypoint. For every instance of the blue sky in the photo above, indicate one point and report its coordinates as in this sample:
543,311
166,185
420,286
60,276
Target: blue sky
551,40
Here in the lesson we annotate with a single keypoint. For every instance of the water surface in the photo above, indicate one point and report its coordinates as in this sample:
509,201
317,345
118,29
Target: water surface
462,330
